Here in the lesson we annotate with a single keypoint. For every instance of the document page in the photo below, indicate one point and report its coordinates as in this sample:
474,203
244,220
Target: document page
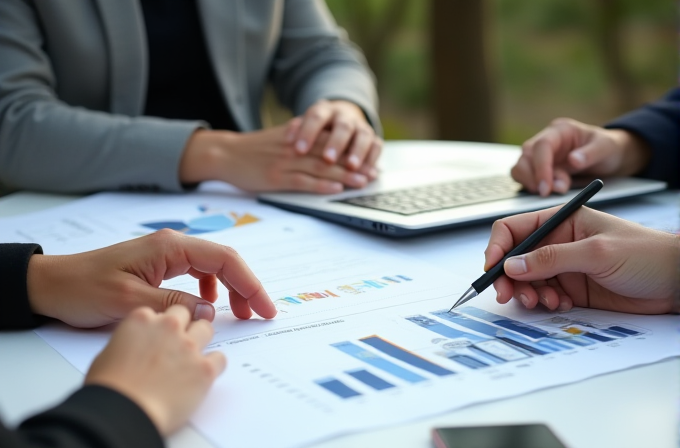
363,337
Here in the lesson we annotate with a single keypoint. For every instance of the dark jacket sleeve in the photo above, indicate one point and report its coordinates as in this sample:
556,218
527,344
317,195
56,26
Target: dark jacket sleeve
93,416
658,124
15,311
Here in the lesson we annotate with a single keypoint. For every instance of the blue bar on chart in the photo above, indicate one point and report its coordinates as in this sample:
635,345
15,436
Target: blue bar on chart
490,349
597,337
378,362
337,387
516,340
369,379
610,332
404,355
527,330
468,361
624,330
444,330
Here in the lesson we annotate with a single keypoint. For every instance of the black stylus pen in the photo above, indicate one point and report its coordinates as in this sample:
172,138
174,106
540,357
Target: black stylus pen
525,246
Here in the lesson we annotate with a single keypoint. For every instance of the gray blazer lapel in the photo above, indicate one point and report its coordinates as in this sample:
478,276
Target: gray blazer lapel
220,19
127,47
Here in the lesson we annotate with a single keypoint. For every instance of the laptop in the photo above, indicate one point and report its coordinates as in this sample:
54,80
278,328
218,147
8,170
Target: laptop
426,186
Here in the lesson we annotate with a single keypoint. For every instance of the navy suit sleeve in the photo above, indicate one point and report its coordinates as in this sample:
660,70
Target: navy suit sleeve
15,311
658,124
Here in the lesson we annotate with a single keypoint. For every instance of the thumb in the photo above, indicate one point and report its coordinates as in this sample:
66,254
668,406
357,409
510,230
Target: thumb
549,261
160,299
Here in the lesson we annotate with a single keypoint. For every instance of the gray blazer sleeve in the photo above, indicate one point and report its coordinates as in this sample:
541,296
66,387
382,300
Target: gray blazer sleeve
315,60
46,144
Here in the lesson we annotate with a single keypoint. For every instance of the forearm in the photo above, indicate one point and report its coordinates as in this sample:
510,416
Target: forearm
46,145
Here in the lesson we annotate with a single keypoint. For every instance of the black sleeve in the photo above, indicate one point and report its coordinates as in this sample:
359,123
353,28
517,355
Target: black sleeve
658,124
93,416
15,311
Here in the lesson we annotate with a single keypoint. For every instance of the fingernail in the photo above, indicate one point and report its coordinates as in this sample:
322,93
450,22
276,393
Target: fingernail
544,300
524,299
560,186
301,146
359,179
353,161
564,306
204,311
543,189
515,265
577,158
331,154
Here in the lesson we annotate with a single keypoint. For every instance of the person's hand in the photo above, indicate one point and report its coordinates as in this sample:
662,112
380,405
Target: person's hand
352,142
95,288
157,361
591,260
568,147
264,161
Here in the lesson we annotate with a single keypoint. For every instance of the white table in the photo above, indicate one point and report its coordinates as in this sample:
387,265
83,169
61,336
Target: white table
633,408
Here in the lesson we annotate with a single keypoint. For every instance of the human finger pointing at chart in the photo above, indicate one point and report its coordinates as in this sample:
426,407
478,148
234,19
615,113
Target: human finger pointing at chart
591,260
95,288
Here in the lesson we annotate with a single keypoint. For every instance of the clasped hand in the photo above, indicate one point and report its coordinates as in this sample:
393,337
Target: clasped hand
329,148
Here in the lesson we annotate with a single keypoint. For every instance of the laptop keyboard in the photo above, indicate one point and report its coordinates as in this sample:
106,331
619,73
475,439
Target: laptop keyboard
434,197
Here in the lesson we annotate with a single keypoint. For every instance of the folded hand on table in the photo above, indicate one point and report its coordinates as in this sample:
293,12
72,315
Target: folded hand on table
328,149
591,260
95,288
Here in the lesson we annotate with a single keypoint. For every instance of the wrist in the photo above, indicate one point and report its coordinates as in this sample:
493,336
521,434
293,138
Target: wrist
205,155
38,284
635,152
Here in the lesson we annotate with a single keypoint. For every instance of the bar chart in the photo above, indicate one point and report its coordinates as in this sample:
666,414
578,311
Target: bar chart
393,363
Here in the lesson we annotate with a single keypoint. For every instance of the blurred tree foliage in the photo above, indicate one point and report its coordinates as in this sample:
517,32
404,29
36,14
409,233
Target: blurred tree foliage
588,59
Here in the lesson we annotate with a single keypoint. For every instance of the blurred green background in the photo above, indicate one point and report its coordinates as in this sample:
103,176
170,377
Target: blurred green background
587,59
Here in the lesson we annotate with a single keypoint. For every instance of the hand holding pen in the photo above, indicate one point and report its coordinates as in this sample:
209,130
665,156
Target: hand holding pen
591,259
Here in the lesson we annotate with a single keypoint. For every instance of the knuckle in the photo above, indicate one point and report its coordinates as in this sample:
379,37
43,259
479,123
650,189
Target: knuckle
171,323
172,297
127,295
230,253
600,247
561,121
142,314
319,166
343,126
364,131
206,327
546,256
207,369
297,181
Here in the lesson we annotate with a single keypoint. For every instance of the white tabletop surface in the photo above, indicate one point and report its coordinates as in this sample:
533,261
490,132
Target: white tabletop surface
639,407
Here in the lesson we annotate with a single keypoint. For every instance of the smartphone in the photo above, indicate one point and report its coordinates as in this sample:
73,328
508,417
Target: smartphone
507,436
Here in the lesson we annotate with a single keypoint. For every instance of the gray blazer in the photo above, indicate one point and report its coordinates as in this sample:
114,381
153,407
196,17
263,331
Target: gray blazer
73,85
